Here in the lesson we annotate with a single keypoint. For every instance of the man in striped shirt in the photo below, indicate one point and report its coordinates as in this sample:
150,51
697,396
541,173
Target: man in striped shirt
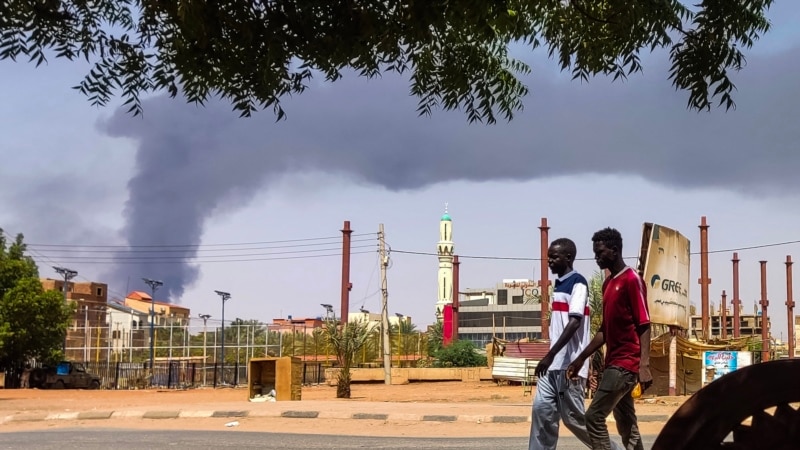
625,331
558,397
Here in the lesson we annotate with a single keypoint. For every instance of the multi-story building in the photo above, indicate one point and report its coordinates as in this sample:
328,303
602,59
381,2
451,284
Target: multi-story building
749,325
308,325
89,320
90,298
128,330
165,313
511,310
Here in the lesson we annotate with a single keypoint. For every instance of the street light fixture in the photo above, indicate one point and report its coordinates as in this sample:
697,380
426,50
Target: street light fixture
328,310
154,285
225,297
205,318
68,274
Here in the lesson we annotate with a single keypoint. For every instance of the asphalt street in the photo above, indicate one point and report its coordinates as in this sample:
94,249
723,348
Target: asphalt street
90,439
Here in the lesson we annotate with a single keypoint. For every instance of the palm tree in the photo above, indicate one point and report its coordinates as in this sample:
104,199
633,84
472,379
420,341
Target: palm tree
346,340
596,300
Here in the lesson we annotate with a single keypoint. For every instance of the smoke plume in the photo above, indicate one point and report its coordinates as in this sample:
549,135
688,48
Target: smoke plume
194,161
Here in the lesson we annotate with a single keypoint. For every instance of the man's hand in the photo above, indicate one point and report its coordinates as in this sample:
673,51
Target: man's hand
574,369
543,365
645,377
593,380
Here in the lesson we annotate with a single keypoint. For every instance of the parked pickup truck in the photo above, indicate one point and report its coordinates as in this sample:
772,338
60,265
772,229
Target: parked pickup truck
71,375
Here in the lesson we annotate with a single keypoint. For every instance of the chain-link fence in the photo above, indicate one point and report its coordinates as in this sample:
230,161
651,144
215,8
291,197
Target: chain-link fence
187,356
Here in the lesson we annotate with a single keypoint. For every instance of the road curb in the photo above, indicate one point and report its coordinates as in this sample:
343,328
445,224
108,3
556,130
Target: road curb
290,414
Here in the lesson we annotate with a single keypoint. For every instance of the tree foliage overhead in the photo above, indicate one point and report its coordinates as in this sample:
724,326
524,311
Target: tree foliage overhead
255,52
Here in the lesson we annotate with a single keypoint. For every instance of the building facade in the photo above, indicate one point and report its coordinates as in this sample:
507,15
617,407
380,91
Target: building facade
165,313
749,325
511,310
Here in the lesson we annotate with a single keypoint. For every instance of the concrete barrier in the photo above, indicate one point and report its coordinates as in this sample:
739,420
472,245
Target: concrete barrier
406,375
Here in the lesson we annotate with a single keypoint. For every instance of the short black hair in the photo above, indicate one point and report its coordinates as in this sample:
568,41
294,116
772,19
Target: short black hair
610,237
566,244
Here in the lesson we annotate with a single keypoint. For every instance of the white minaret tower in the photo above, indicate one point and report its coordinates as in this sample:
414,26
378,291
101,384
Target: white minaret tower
445,252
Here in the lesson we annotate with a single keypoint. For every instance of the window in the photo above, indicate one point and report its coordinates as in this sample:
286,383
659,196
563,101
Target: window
115,334
99,292
516,300
502,296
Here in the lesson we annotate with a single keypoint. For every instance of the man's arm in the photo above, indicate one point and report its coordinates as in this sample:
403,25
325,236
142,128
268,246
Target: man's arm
645,377
575,367
569,331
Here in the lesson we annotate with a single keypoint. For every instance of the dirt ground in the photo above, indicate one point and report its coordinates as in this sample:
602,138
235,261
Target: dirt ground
449,391
14,401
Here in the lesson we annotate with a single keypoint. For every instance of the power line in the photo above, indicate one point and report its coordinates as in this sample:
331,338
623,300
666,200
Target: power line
193,261
80,249
522,258
179,258
284,241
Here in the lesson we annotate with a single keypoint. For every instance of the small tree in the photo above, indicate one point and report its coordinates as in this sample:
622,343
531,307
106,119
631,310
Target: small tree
346,340
460,353
435,337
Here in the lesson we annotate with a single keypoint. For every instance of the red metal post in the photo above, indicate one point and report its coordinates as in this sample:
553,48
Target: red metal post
456,275
723,316
736,302
544,280
704,280
346,284
790,304
764,321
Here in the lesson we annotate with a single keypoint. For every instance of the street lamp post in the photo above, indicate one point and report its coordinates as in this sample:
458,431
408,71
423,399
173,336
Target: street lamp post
205,318
154,285
328,311
68,274
225,297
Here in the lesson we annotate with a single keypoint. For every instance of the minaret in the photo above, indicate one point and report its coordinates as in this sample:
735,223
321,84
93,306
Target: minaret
445,252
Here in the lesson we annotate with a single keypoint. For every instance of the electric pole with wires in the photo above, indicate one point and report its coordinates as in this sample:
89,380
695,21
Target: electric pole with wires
387,344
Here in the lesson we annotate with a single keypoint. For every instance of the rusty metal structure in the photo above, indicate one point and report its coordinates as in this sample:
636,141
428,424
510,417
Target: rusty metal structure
456,276
346,284
544,280
789,305
704,280
723,316
736,302
764,321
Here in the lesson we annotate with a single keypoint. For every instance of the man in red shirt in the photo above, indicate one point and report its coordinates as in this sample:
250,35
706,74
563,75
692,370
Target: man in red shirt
625,331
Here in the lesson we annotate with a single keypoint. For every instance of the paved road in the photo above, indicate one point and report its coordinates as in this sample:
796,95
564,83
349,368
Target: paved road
90,439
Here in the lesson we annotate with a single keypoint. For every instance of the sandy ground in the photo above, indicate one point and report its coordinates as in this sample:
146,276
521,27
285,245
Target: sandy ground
470,394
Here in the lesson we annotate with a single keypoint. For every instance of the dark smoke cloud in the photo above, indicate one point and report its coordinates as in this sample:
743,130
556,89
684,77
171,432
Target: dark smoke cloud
192,161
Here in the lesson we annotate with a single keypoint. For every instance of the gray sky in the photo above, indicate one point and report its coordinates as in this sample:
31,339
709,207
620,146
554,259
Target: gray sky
585,156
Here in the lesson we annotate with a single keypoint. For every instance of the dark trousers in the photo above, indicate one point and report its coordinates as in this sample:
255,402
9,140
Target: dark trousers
614,395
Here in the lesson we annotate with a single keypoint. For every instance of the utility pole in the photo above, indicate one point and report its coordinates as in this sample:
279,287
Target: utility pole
225,297
387,344
346,284
205,318
68,274
154,285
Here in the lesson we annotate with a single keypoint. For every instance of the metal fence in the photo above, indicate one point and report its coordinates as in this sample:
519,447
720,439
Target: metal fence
165,375
199,344
187,356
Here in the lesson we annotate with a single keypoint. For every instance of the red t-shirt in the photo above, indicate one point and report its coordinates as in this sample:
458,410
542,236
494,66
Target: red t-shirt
624,309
